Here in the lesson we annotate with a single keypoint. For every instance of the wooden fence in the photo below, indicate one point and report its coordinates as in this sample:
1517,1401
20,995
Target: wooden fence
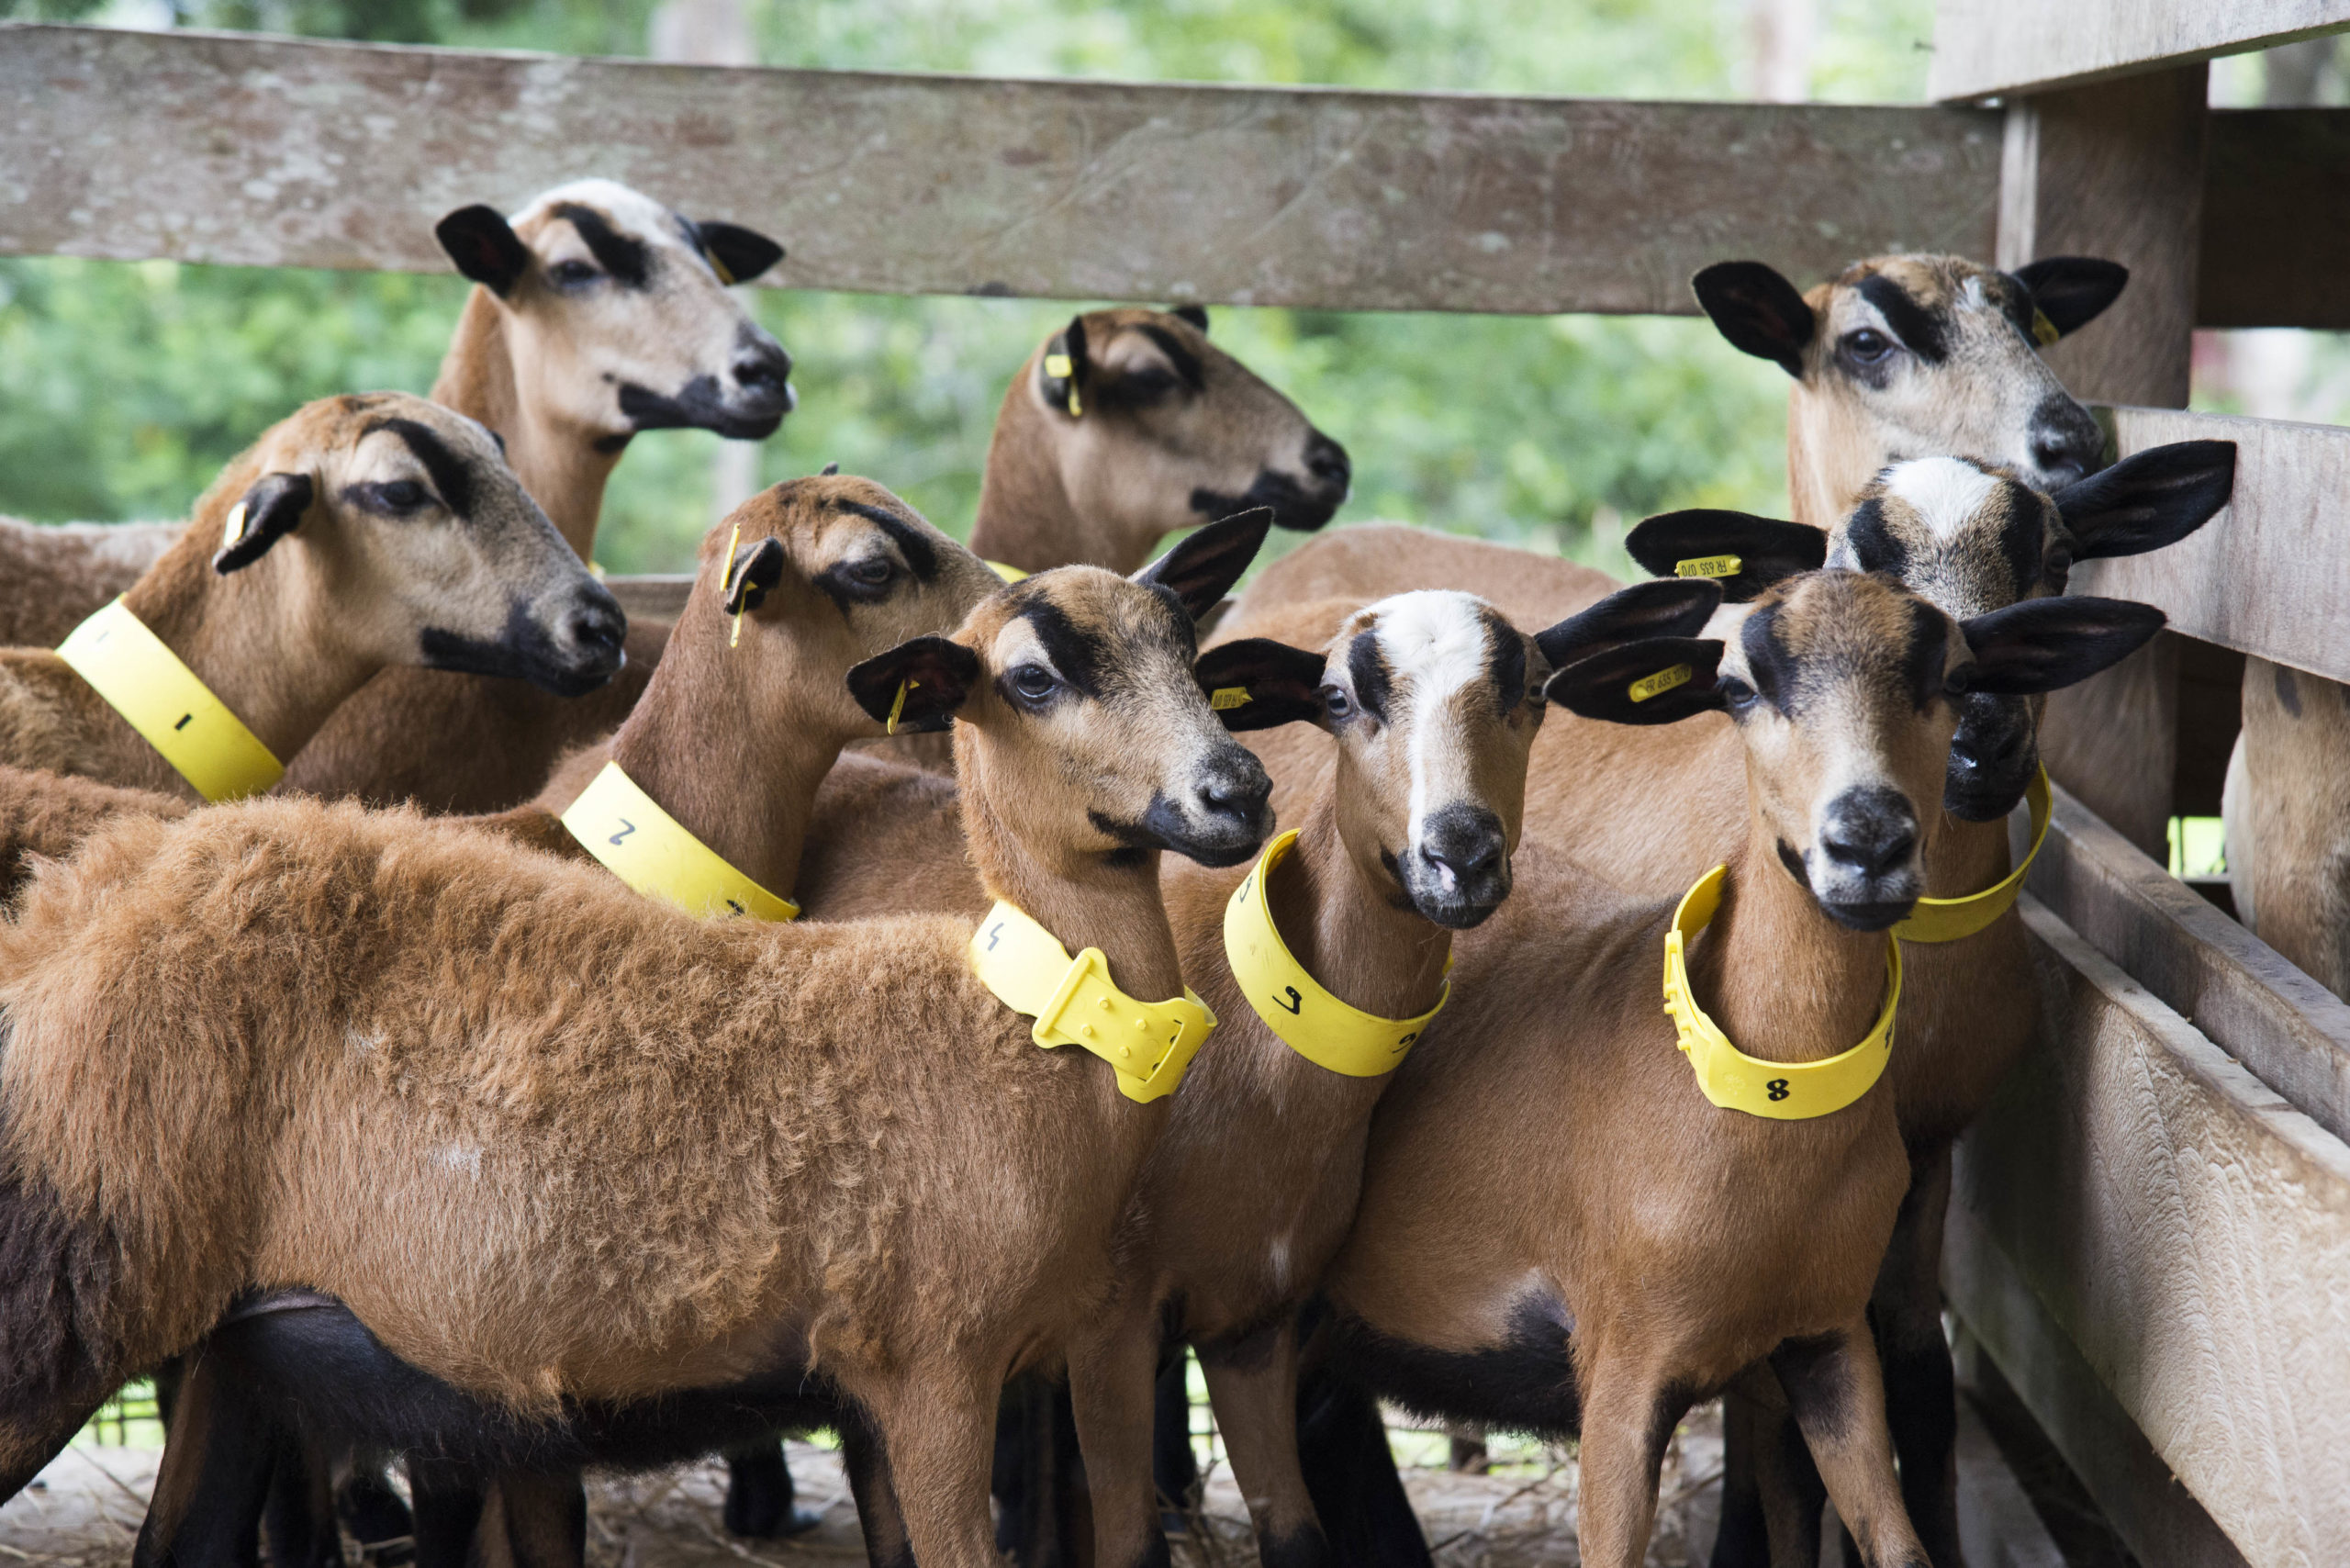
2151,1235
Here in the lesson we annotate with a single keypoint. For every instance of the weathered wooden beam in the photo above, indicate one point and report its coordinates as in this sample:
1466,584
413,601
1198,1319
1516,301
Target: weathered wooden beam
1987,48
285,152
2290,1031
2188,1231
2275,250
2266,576
655,595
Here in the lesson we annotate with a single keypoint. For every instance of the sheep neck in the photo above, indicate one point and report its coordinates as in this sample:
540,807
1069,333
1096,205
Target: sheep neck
1025,516
563,464
1342,917
707,741
265,640
1088,899
1784,982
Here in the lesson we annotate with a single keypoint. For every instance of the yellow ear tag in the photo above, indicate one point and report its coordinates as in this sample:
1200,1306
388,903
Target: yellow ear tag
1058,366
899,705
236,526
2044,330
1227,697
719,267
726,586
1663,681
1710,566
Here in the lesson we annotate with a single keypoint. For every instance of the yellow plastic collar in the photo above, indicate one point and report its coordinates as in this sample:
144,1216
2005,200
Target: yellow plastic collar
1782,1091
643,846
1075,1002
1009,574
1294,1004
172,709
1948,920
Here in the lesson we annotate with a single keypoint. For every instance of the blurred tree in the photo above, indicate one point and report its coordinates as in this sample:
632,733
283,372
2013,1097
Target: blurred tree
124,387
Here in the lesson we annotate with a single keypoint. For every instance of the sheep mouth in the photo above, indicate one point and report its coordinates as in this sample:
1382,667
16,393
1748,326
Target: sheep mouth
751,415
1294,506
526,650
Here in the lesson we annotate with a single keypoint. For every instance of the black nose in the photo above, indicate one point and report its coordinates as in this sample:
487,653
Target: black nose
1870,831
1468,842
2065,441
1237,793
765,369
596,625
1327,461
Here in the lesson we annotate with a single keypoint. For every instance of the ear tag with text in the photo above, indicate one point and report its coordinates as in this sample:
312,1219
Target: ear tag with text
236,526
1659,683
1229,697
2044,330
1060,368
899,706
1710,566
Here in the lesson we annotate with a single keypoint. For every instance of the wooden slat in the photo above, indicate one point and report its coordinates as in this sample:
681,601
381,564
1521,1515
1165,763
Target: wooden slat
290,152
2157,1518
2290,1031
2275,249
658,596
2189,1232
1984,48
2268,575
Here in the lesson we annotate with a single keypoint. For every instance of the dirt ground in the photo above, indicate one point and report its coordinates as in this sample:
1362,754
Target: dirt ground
84,1512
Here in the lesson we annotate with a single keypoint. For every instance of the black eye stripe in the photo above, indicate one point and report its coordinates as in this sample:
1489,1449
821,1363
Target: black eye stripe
625,258
1367,668
1079,655
1920,330
451,475
920,559
1186,363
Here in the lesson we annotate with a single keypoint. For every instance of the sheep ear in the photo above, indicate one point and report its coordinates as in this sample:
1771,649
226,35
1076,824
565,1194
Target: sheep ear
1660,681
828,470
1742,553
1671,607
1256,683
1061,372
484,247
270,510
2069,292
916,685
1200,570
1759,312
737,254
2043,645
1197,315
2154,497
751,575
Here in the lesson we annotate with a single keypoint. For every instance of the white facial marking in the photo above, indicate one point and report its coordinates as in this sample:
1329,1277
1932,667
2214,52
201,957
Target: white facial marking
632,213
1434,641
1947,493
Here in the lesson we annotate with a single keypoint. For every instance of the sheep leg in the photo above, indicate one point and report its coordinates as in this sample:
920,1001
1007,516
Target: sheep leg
866,1463
1780,1513
1628,1419
1113,1383
760,1502
1252,1383
448,1498
1920,1387
210,1488
298,1517
1838,1396
1174,1468
938,1432
534,1521
1350,1473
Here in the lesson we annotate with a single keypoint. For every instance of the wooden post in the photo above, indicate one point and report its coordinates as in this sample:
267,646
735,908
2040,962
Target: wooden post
2116,170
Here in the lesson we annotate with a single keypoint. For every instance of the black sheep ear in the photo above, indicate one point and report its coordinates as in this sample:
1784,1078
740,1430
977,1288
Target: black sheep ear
2149,500
1669,608
2043,644
916,685
270,510
828,470
1200,570
1061,372
1759,312
1256,683
2069,292
753,573
1744,552
484,247
1661,681
1197,315
737,254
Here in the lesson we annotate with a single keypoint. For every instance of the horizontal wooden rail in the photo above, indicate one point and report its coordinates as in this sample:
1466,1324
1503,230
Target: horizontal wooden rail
2189,1232
2268,576
218,147
1984,48
655,595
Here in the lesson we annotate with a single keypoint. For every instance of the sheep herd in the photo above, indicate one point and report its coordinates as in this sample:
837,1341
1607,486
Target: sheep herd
926,990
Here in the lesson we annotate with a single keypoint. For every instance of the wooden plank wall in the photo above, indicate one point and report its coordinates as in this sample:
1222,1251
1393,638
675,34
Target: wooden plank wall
1984,48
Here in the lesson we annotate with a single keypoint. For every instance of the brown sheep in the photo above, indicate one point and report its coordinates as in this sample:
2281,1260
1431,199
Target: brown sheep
358,532
493,1017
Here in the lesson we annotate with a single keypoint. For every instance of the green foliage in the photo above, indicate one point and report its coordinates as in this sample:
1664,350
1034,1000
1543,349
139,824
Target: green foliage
123,387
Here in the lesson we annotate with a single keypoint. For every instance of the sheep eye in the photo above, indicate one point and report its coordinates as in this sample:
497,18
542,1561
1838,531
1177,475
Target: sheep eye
397,496
1147,383
1868,346
875,571
1338,704
1736,692
1034,682
571,274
